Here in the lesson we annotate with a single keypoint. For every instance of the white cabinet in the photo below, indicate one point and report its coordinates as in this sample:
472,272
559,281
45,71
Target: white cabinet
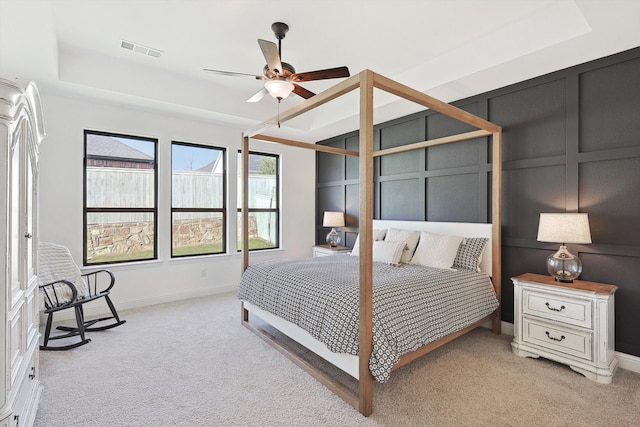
570,323
21,132
326,250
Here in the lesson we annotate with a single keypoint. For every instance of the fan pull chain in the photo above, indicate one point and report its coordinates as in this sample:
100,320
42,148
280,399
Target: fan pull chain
279,99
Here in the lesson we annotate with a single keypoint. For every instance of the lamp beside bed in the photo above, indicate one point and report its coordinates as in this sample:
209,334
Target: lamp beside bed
333,220
564,228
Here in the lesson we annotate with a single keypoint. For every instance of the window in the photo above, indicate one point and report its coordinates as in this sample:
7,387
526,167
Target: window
120,198
264,201
198,200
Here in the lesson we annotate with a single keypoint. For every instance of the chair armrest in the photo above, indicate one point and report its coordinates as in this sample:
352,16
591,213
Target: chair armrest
54,294
99,277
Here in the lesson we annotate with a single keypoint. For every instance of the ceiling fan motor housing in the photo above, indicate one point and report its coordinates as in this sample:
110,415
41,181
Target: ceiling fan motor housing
287,71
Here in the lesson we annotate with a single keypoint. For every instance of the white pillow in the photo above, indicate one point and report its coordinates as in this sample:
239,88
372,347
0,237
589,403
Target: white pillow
409,237
388,252
377,236
436,250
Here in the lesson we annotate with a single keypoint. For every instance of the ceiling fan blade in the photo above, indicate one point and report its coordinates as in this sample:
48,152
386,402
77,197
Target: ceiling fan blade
270,52
300,91
258,95
330,73
232,74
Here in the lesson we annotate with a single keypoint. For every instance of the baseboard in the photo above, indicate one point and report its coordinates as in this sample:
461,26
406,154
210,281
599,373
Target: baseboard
628,362
162,299
99,307
625,361
507,328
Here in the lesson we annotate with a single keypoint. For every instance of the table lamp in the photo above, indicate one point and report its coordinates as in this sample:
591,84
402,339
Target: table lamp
333,220
564,228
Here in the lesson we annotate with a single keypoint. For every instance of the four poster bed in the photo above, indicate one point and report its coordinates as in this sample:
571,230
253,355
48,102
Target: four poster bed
416,307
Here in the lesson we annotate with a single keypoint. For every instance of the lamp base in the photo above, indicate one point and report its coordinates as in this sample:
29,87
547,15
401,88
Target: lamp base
564,266
333,238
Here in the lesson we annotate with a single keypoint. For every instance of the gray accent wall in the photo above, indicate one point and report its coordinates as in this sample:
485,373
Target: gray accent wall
571,143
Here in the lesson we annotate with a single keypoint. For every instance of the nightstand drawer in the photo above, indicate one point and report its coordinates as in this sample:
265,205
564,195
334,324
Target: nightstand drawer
555,337
558,307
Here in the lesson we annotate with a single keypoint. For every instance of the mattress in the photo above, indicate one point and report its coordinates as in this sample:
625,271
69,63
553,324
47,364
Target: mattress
412,305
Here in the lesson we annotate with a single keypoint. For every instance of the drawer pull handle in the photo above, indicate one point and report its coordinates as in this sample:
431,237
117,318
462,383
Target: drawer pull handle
553,308
554,338
32,375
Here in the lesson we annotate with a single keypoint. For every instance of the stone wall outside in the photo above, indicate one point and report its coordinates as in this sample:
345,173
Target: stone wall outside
130,237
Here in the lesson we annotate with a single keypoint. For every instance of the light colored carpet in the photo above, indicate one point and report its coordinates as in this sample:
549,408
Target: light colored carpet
191,363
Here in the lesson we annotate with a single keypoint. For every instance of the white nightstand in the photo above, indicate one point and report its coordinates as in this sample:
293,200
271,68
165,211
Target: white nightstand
570,323
326,250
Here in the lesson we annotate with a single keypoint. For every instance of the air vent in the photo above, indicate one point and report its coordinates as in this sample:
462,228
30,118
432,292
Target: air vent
137,47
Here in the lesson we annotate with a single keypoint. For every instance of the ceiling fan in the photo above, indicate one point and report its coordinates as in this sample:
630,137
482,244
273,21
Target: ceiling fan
280,77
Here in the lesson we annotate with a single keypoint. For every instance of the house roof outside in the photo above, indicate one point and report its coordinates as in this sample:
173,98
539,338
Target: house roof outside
254,163
215,166
104,146
209,167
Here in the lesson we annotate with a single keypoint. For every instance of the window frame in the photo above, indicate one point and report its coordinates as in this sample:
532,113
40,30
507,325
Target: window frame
88,210
223,209
276,210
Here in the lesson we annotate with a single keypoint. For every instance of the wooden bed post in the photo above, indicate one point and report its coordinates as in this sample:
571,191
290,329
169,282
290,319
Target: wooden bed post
245,203
365,384
496,220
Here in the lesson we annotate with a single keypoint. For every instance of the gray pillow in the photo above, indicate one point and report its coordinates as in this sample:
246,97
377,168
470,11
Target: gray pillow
470,253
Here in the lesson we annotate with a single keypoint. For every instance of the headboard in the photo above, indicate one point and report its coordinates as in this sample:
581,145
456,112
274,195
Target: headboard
466,229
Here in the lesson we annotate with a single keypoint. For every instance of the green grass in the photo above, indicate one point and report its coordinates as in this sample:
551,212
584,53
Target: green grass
257,243
214,248
135,256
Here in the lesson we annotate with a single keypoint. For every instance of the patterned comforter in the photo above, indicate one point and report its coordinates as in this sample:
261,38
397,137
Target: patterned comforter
412,305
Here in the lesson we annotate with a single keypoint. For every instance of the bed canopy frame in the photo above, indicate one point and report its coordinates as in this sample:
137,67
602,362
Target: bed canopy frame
365,82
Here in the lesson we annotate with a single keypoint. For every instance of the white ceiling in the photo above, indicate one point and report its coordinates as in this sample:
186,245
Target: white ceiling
450,49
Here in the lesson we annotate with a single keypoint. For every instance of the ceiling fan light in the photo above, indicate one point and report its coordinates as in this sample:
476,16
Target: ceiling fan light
279,89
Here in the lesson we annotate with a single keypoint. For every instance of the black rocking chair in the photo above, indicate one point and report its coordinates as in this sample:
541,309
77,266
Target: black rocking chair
64,287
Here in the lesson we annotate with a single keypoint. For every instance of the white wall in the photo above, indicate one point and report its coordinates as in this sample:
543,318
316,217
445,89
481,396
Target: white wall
166,279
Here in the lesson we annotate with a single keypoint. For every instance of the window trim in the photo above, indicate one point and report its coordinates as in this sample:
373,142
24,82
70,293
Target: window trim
87,210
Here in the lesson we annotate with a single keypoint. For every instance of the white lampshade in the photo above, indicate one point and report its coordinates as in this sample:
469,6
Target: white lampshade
564,228
279,89
333,219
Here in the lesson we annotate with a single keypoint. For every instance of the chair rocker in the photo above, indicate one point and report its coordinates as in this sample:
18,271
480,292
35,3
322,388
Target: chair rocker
64,287
56,299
